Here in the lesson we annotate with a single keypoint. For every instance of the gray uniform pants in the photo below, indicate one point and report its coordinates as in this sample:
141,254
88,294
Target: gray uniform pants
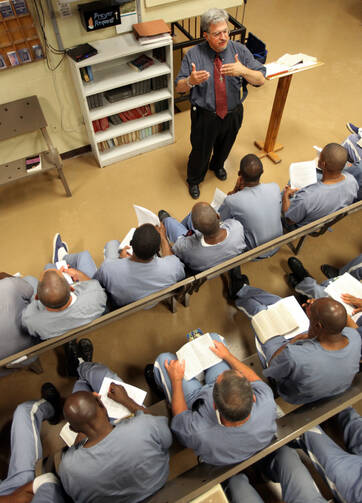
26,449
342,470
283,466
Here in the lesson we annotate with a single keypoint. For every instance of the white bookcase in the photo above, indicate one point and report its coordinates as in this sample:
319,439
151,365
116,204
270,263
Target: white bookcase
111,71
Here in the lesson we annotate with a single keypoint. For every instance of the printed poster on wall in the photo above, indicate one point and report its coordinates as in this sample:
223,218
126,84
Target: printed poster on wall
128,15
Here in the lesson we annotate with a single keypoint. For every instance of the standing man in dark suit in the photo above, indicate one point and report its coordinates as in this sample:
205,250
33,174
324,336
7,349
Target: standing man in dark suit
213,72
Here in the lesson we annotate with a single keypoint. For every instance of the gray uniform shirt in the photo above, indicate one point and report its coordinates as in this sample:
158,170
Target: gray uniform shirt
89,305
129,464
199,256
258,209
305,371
320,199
127,281
15,295
203,56
221,445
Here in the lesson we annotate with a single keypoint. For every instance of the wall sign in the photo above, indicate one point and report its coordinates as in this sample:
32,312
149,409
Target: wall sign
98,15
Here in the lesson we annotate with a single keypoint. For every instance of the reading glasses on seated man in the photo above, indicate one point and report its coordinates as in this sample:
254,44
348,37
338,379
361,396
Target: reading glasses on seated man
217,34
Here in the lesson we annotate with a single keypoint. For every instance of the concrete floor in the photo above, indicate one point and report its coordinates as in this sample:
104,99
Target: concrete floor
319,104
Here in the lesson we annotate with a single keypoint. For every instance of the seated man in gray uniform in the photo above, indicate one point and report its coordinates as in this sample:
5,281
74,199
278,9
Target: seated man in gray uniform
21,486
257,206
334,191
15,295
283,466
211,243
128,278
127,461
226,420
303,283
341,468
58,306
318,364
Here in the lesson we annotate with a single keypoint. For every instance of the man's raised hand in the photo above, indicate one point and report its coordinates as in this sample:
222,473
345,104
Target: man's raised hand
197,77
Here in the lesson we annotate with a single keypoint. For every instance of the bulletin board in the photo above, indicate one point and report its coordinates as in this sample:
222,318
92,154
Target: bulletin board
19,40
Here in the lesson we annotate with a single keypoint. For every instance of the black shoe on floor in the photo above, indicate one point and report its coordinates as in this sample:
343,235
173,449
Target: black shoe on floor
150,379
71,354
329,271
237,281
162,214
297,268
292,281
221,174
85,350
194,191
50,393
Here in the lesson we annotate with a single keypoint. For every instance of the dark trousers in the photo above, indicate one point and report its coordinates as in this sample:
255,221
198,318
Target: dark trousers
209,134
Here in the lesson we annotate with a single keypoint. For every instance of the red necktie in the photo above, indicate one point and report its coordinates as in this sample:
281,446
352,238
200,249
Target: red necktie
221,102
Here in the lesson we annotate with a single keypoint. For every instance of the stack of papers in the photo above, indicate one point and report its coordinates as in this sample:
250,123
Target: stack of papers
289,62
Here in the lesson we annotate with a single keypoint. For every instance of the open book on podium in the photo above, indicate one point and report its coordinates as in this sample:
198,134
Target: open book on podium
285,317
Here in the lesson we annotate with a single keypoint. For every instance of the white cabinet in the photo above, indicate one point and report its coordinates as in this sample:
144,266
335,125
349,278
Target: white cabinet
149,96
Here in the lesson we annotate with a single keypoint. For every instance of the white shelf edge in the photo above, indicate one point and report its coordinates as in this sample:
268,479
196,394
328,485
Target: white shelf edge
134,125
134,148
129,103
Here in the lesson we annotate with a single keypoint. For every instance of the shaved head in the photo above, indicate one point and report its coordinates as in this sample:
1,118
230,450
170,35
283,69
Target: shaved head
334,156
205,219
81,409
329,314
53,289
251,168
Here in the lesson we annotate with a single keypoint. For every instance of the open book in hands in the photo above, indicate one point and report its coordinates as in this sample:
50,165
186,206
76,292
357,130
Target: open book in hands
345,284
302,174
198,356
285,317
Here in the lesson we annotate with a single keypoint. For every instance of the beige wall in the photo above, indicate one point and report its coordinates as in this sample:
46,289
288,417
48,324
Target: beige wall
55,89
172,10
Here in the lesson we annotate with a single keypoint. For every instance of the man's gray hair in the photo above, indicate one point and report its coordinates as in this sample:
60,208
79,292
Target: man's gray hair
213,16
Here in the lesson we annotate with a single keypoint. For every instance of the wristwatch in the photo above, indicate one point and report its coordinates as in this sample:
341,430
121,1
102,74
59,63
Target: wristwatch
189,83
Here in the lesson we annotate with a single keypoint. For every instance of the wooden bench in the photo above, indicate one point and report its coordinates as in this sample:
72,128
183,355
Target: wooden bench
182,290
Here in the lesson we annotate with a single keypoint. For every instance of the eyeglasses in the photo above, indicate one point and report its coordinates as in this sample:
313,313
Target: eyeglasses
217,34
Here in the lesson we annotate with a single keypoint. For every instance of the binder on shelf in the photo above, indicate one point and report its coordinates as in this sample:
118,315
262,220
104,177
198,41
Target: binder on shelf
150,28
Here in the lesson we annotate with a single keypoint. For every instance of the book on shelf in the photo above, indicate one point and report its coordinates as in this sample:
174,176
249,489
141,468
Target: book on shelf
104,124
160,54
20,7
33,163
197,356
5,9
140,63
150,28
90,72
84,74
119,93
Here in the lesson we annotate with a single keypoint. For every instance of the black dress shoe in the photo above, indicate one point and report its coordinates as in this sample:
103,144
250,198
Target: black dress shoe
221,174
50,393
162,214
71,354
85,350
150,379
194,191
298,269
292,281
329,271
237,281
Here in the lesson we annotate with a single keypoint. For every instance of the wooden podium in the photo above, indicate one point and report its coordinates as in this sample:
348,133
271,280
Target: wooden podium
269,147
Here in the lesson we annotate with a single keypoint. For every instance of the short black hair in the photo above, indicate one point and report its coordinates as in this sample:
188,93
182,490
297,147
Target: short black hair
233,396
251,168
335,157
146,241
53,290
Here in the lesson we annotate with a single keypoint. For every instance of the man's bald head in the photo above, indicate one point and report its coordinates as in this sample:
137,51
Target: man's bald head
205,219
251,168
328,315
334,158
53,289
82,409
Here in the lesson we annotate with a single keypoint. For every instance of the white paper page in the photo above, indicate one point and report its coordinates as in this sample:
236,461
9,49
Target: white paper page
59,265
145,216
296,310
201,347
192,365
127,239
318,149
345,284
218,199
276,320
154,38
275,68
115,409
290,59
68,435
302,174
